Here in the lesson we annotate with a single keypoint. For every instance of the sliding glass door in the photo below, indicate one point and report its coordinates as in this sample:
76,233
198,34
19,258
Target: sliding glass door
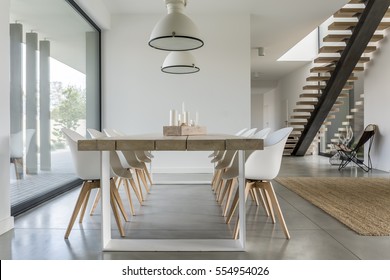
55,83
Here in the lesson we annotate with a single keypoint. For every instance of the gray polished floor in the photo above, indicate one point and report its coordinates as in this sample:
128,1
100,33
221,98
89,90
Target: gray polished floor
189,211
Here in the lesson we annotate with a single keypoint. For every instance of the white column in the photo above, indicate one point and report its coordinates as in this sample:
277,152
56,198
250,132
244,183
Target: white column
44,105
31,99
16,96
6,221
92,80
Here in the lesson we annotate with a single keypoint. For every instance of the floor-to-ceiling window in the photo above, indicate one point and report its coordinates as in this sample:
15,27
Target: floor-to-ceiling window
55,83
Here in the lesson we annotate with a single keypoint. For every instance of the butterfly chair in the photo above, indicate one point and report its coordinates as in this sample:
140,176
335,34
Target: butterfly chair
87,166
123,175
351,154
261,167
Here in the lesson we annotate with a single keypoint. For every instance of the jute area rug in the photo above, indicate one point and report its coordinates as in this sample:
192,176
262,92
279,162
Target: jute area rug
362,204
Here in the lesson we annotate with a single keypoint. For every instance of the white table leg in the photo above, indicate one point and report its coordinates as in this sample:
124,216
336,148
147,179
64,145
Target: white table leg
105,189
242,207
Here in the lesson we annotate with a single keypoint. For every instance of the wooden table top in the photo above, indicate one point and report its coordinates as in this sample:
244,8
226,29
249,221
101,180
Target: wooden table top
153,142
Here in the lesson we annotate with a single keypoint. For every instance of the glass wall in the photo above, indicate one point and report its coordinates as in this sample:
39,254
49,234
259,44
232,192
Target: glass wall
55,83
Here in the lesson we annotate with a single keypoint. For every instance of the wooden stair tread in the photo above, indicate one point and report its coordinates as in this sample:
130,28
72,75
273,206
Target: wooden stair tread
339,49
303,110
306,102
347,25
310,95
326,78
301,117
298,123
345,37
321,87
324,69
352,12
333,59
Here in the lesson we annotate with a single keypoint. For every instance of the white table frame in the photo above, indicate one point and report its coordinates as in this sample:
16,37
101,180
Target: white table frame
110,244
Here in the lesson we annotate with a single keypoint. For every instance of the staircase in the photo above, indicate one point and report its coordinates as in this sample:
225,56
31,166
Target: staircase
353,37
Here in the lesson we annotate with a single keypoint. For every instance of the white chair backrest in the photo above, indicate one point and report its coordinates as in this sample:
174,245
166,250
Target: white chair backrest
127,158
16,143
87,163
262,134
265,164
112,132
249,132
241,131
115,162
96,134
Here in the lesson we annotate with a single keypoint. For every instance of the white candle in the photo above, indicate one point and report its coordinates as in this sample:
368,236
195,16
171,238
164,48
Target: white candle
172,117
179,119
183,108
196,118
187,119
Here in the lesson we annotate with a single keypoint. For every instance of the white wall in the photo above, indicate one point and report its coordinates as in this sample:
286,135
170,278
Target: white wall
290,87
97,11
6,221
376,104
137,96
257,111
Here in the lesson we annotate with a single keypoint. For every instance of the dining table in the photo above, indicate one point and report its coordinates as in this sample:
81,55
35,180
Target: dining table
159,142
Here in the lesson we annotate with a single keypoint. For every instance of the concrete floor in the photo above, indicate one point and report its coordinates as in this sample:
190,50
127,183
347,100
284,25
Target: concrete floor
189,211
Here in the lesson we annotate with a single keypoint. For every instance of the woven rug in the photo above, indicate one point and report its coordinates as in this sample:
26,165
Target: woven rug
362,204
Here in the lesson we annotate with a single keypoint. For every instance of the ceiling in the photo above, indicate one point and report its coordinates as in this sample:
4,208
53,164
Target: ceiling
275,25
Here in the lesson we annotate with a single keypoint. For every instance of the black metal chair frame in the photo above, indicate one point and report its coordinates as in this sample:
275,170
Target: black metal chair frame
348,155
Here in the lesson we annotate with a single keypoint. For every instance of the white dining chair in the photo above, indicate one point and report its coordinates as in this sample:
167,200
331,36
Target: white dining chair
261,167
226,156
123,175
87,167
129,160
228,182
17,150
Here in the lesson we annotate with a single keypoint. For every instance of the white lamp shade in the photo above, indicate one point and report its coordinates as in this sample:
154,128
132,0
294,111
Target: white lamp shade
180,63
175,32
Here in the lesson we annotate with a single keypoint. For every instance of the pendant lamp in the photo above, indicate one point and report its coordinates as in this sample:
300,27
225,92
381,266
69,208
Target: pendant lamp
180,63
176,31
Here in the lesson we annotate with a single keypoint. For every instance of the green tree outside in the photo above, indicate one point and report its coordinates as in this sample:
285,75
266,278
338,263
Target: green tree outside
70,110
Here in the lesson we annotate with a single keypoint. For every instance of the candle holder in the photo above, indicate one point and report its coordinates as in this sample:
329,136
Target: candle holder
184,130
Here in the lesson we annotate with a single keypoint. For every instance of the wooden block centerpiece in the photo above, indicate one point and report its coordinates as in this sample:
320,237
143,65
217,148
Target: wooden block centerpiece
184,130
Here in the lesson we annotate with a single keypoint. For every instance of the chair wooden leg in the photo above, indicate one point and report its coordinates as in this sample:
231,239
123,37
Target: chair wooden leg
136,190
262,199
141,175
232,207
117,198
148,174
216,181
270,190
229,197
127,189
269,204
95,201
139,184
248,188
236,229
222,192
116,215
84,207
254,196
235,201
83,192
